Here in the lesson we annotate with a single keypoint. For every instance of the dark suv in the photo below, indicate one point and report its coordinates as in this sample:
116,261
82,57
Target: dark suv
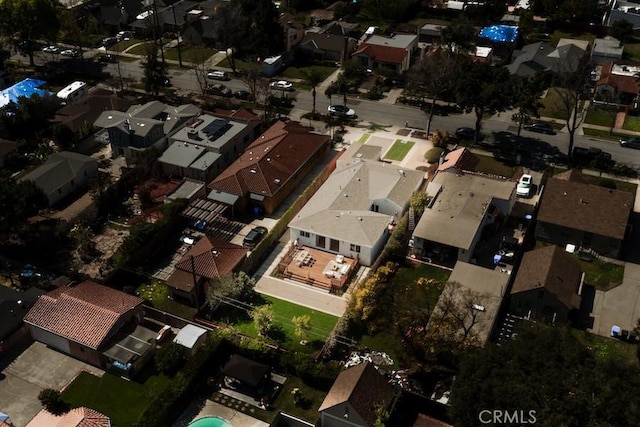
540,128
254,237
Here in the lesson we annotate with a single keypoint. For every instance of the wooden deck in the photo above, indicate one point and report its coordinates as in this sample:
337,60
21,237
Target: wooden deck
317,268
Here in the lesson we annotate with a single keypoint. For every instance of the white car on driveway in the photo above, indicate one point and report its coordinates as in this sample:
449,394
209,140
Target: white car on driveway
524,186
281,85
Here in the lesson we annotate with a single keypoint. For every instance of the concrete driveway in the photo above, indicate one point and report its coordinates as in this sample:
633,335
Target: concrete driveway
619,306
38,367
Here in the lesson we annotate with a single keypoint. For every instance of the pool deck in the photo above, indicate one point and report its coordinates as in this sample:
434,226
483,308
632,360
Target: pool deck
212,409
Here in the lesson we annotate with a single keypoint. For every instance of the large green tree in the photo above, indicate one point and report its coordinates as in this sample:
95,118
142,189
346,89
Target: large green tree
155,71
525,97
27,21
18,202
313,78
481,89
251,27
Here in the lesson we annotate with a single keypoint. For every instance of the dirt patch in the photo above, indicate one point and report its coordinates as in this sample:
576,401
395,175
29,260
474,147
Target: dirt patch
106,244
403,132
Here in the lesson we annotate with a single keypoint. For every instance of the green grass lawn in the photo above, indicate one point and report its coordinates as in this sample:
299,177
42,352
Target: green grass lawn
607,347
123,401
123,45
492,166
552,105
141,49
600,117
321,325
364,138
399,149
602,275
240,65
157,293
298,72
599,133
407,297
195,54
632,49
631,123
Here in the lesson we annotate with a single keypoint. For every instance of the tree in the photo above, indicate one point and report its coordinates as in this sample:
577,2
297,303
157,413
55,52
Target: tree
169,358
480,89
571,85
234,286
313,78
155,71
252,28
83,236
262,319
621,30
302,325
458,36
487,11
382,415
387,10
18,202
432,78
525,97
418,202
27,21
52,401
343,86
198,59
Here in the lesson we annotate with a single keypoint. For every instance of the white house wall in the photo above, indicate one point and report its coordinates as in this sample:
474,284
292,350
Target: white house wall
50,339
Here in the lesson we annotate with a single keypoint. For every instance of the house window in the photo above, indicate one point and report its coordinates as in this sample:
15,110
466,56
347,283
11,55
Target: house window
334,245
355,248
305,234
320,241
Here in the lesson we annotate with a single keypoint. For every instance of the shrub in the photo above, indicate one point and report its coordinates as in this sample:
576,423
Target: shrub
51,400
169,358
433,155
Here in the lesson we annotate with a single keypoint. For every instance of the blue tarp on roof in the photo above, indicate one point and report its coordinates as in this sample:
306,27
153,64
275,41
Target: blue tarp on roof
26,88
500,33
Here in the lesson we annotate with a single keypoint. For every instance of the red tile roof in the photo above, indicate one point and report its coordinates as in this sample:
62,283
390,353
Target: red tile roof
77,417
85,313
461,158
270,161
212,259
388,54
622,84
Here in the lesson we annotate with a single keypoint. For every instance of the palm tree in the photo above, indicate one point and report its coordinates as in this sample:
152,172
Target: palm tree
343,86
313,78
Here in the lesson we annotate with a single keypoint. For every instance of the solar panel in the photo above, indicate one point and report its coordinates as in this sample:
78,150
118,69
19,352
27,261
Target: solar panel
216,128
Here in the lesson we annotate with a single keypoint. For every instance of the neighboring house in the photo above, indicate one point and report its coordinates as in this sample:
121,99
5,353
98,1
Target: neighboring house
460,160
191,337
344,29
484,289
204,264
83,113
460,207
547,286
354,211
354,397
293,31
606,50
63,174
189,189
618,84
542,57
270,168
397,53
76,417
6,149
201,25
84,320
430,34
574,212
206,146
625,10
168,18
14,306
327,14
327,47
144,126
246,374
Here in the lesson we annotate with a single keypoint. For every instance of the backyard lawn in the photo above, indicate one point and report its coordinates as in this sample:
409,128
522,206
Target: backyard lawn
123,401
398,150
321,325
602,275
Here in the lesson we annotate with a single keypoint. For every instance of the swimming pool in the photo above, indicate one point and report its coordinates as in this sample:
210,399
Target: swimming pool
210,422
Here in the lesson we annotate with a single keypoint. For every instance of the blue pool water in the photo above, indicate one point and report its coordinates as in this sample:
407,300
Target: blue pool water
210,422
500,33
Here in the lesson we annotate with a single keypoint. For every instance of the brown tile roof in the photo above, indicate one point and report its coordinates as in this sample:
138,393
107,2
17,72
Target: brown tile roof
363,387
625,84
77,417
423,420
85,313
388,54
212,259
585,207
461,158
270,161
550,268
239,114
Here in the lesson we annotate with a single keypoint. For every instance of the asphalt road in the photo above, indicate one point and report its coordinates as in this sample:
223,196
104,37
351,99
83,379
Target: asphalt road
184,80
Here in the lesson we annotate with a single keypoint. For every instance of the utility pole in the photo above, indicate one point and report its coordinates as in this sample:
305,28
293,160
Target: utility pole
175,25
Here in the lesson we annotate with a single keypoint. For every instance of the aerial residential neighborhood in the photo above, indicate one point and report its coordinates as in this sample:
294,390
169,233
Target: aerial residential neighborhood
315,213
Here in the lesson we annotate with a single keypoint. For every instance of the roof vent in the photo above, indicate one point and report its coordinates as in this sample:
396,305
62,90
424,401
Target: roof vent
253,171
277,181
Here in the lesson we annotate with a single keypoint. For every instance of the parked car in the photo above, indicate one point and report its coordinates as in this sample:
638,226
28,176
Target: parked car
108,41
592,155
465,133
107,58
219,89
217,75
124,36
540,128
51,49
243,94
255,235
71,53
524,186
630,143
282,85
342,111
